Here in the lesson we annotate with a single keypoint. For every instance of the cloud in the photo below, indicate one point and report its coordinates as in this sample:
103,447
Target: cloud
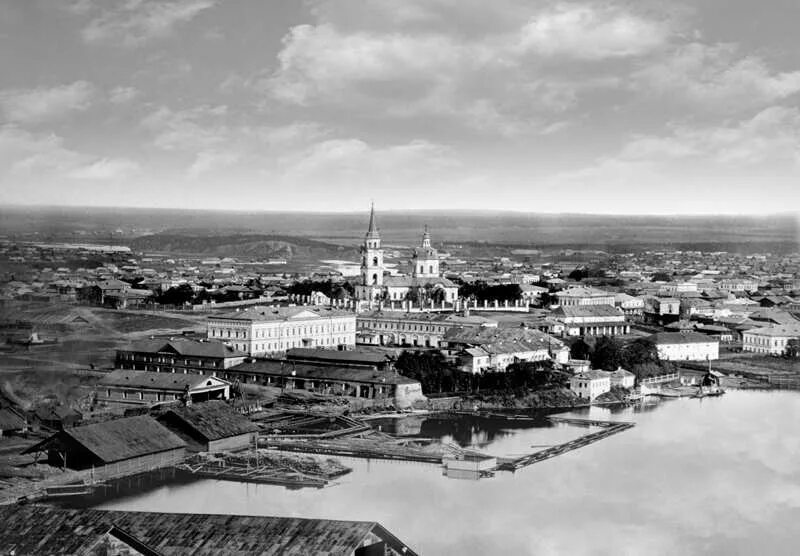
134,23
211,161
717,78
45,103
592,32
122,95
106,169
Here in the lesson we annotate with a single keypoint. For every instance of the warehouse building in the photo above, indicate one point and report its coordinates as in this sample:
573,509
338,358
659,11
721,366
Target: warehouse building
130,388
211,427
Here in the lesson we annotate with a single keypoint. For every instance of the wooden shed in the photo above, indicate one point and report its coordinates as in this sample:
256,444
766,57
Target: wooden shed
211,426
136,443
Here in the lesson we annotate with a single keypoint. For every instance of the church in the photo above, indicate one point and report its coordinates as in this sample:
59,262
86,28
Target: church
424,286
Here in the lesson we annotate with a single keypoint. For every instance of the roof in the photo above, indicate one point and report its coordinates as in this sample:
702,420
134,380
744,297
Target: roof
275,367
583,291
414,282
621,373
348,356
667,338
453,318
588,311
593,374
213,420
266,314
503,340
10,420
187,347
120,439
780,331
158,381
33,530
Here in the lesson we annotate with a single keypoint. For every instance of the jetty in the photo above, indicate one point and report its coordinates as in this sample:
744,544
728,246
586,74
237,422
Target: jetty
607,428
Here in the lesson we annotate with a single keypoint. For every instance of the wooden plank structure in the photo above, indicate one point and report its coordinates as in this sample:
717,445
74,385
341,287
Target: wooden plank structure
607,428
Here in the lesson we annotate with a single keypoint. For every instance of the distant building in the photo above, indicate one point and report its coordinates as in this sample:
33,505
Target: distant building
34,529
631,306
738,285
137,443
413,329
260,331
770,340
124,387
661,310
178,355
378,360
211,427
595,320
685,346
589,385
582,295
401,391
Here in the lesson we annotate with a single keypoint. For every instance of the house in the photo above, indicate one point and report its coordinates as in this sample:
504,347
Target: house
11,421
210,427
123,387
582,295
259,331
178,355
474,360
505,346
588,385
770,340
33,530
413,329
622,378
531,294
595,320
55,416
138,443
661,310
401,391
631,306
685,346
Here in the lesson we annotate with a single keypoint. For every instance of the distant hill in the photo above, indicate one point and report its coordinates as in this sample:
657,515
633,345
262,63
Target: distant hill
238,245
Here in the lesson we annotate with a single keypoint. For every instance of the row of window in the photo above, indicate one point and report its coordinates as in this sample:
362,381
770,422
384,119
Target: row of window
382,325
281,332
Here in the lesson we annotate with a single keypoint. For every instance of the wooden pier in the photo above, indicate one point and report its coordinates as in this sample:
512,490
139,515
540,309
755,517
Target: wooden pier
607,428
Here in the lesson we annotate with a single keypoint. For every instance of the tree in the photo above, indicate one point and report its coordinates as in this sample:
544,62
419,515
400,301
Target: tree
641,351
607,354
661,277
578,274
178,295
580,349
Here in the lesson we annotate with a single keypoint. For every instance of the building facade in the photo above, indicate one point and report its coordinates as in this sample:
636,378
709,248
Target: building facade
594,320
770,340
685,346
143,388
589,385
181,355
584,296
262,331
397,328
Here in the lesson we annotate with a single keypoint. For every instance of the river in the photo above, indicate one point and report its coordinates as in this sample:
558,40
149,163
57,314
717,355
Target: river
694,476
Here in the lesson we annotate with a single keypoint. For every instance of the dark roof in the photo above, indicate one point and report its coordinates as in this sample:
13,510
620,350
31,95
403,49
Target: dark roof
35,530
504,340
662,338
177,382
588,311
187,347
10,420
120,439
320,372
212,420
349,356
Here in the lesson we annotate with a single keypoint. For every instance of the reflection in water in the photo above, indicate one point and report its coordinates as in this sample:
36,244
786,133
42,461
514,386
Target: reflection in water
694,476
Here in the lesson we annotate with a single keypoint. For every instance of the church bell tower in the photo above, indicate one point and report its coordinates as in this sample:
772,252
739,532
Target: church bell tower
372,256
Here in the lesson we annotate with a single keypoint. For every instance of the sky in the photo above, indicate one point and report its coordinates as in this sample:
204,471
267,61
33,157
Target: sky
609,107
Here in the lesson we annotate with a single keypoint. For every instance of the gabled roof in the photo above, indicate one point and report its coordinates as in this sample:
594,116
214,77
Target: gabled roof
187,347
261,314
33,530
119,439
588,311
349,356
177,382
668,338
212,420
274,367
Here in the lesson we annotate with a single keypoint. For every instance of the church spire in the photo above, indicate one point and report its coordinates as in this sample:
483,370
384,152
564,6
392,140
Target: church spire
373,229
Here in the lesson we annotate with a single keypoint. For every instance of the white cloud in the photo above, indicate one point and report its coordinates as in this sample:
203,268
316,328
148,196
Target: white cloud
24,153
45,103
591,32
211,161
717,78
134,23
106,169
122,95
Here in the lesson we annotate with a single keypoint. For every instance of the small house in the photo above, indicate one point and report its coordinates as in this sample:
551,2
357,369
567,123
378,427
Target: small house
211,426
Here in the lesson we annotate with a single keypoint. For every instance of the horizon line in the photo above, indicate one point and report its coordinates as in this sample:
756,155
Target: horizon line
33,206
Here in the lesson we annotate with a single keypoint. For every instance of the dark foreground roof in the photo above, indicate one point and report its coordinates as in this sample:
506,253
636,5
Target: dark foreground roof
186,347
42,530
119,439
345,357
213,420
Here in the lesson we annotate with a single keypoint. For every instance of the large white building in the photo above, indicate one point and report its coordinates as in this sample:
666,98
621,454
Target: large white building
685,346
424,282
261,331
582,295
399,328
771,340
595,320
